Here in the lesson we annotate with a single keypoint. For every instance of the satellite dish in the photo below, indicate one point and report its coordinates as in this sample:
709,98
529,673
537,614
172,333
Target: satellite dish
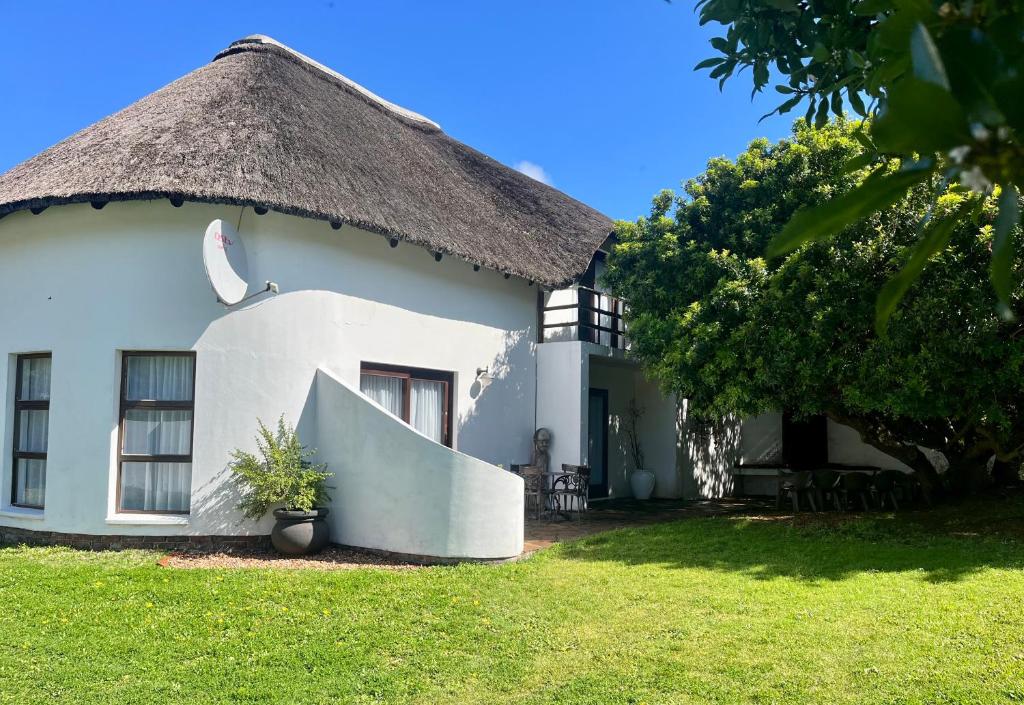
224,259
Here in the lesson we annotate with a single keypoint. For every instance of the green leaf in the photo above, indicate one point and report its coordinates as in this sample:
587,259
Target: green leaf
820,53
809,115
722,70
722,11
855,59
864,140
819,222
760,75
837,104
857,103
785,90
1002,243
859,162
920,117
821,119
721,43
708,63
925,58
873,7
784,5
934,240
784,108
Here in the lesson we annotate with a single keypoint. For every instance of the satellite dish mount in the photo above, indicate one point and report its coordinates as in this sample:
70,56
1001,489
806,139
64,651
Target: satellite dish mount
226,265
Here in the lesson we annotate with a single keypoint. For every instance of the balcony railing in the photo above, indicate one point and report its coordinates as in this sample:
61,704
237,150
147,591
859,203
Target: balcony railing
583,314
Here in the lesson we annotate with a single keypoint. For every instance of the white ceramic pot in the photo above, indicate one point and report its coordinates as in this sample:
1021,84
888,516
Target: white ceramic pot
642,484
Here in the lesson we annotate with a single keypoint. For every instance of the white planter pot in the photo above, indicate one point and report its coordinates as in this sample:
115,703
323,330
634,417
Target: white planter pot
642,484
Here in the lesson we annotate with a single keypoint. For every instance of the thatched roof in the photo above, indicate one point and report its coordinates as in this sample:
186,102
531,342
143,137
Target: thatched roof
264,126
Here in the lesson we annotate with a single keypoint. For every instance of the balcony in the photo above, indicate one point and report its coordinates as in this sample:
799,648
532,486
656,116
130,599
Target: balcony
585,314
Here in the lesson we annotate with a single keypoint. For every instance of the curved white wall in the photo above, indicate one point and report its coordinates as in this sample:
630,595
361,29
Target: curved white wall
87,284
396,490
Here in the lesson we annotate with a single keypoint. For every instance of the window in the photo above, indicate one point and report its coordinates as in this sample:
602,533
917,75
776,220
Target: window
155,438
421,398
31,430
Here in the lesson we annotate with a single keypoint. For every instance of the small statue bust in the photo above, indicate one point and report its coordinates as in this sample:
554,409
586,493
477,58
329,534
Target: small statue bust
541,446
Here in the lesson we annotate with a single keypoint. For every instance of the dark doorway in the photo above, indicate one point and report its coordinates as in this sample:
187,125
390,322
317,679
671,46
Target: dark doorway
804,441
597,442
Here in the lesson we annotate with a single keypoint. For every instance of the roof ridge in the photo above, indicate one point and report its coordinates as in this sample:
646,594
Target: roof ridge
262,40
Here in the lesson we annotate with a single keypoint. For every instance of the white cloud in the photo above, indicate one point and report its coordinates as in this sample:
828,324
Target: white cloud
534,171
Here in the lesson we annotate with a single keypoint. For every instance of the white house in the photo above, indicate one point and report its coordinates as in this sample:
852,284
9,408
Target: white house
455,293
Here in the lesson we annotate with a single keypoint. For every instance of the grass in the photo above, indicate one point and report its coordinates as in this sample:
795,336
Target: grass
882,609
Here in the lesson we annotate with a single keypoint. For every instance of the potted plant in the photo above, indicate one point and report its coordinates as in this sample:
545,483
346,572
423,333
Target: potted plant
281,477
642,480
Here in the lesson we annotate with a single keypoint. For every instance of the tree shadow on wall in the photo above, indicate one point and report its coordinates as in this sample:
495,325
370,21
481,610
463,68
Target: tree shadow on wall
498,427
709,449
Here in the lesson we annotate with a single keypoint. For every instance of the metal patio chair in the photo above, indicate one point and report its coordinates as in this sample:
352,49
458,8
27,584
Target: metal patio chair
534,488
570,489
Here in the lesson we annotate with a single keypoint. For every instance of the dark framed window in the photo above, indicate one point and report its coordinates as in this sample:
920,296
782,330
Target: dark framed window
155,432
421,398
31,430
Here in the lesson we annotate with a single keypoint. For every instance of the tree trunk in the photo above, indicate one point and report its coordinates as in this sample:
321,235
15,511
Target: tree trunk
1006,473
968,467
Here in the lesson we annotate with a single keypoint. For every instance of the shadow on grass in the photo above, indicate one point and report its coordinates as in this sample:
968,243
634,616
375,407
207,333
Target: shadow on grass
944,545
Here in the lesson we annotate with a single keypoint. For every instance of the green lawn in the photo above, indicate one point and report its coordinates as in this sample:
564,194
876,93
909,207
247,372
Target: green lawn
878,610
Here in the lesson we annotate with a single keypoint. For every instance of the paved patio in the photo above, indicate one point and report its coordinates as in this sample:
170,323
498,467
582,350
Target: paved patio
624,513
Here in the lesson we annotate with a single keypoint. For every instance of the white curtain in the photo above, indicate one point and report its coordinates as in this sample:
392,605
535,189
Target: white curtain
159,377
33,430
386,391
35,379
157,432
31,485
156,486
427,408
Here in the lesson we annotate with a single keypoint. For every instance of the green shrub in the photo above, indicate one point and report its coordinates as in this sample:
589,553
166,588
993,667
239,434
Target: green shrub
282,475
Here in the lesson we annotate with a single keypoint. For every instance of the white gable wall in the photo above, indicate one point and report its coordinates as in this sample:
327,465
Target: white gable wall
87,284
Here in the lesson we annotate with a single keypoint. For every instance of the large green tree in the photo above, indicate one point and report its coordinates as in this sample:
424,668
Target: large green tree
944,80
735,333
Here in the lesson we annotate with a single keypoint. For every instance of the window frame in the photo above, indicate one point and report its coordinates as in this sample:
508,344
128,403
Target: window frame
125,405
27,405
407,375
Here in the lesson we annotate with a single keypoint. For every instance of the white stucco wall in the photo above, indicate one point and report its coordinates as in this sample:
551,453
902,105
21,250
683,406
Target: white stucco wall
846,447
561,401
406,493
87,284
761,438
565,373
658,430
661,436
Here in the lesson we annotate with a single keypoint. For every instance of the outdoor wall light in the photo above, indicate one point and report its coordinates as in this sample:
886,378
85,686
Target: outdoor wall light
483,376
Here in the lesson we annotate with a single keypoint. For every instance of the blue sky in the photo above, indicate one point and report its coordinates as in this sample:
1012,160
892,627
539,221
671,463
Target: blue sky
599,94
